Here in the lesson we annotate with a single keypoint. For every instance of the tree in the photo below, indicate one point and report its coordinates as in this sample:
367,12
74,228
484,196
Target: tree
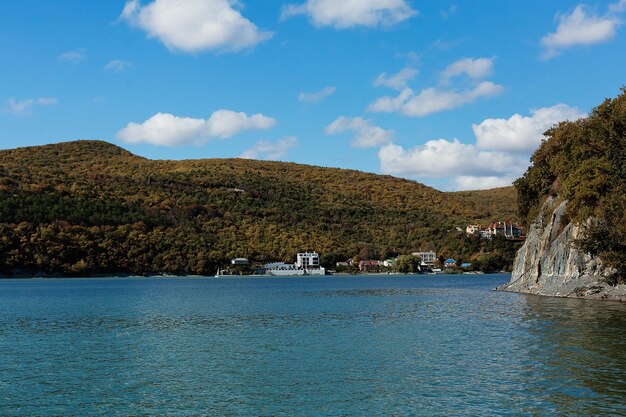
408,264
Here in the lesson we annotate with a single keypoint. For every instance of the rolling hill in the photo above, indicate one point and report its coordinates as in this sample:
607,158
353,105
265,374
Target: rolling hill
90,207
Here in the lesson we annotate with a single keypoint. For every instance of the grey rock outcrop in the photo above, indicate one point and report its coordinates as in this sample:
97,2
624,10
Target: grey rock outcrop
550,264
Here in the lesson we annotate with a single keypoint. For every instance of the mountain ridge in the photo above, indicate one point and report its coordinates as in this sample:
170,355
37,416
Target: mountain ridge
190,216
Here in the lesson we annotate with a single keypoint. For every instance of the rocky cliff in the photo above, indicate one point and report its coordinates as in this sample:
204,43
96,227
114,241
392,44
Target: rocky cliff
550,264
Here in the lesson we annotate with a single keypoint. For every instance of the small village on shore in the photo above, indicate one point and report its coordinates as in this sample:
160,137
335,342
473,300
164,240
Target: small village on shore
419,262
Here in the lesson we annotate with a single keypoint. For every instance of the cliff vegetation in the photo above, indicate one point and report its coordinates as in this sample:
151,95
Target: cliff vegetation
584,163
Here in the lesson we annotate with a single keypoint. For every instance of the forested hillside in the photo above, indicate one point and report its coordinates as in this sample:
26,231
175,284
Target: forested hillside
584,162
89,207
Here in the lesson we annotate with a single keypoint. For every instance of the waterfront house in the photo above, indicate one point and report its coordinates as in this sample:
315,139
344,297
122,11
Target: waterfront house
428,258
306,260
307,263
449,263
365,266
390,262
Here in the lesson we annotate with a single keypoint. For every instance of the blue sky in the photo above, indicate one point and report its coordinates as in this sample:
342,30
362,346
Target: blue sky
454,94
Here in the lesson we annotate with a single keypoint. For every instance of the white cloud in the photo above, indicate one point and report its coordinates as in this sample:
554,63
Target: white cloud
117,65
445,159
481,183
499,155
344,14
519,133
396,81
271,150
473,68
317,96
366,135
618,7
391,104
226,123
579,28
165,129
195,25
73,56
22,106
433,100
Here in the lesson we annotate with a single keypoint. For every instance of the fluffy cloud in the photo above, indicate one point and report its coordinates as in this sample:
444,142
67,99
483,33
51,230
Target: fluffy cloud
344,14
433,100
579,28
73,56
168,130
396,81
117,65
366,135
23,106
271,150
499,155
519,133
317,96
195,25
441,158
473,68
440,98
481,183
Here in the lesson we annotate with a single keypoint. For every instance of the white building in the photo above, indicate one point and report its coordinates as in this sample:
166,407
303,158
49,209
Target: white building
389,262
508,230
308,260
428,258
307,263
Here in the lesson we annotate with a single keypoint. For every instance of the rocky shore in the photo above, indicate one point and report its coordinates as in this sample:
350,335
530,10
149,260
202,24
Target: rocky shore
550,264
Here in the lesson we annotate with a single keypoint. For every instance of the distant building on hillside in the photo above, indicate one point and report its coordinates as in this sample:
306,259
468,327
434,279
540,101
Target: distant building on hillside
240,262
390,262
449,263
369,264
427,258
508,230
473,229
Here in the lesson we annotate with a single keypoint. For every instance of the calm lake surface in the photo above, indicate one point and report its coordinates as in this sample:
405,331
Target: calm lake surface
336,346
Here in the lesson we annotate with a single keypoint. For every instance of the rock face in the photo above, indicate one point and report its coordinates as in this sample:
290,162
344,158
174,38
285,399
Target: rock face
550,264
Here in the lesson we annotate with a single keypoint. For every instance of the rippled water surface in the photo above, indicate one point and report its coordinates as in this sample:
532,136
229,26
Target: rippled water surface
368,346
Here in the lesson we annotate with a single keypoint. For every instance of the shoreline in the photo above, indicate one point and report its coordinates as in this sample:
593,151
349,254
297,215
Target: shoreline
615,294
132,276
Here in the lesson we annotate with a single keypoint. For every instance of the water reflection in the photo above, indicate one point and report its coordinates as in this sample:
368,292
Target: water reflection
578,351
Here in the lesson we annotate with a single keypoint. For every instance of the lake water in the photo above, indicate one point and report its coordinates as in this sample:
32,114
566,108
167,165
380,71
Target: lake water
335,346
